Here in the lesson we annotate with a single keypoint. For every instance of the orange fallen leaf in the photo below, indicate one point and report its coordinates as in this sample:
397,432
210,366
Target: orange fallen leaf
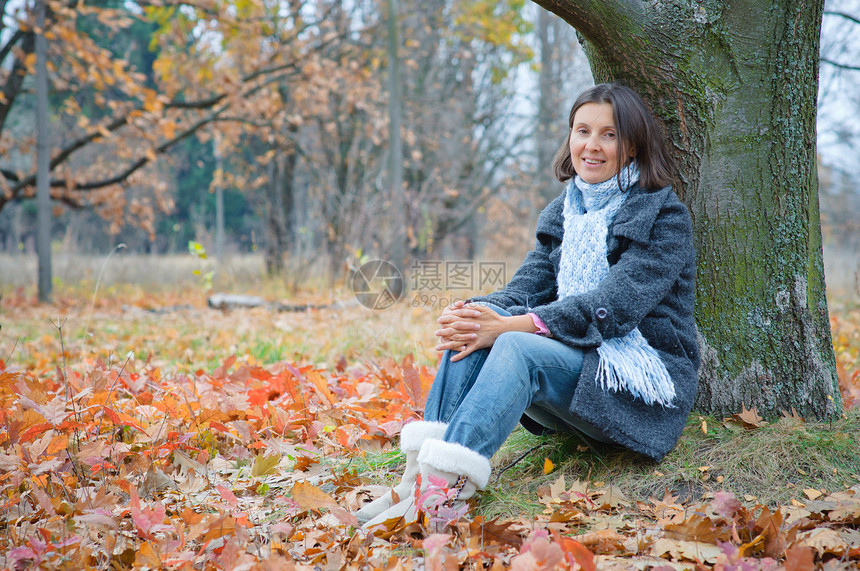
799,558
309,497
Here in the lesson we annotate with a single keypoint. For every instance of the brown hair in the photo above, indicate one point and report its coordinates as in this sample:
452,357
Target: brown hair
636,129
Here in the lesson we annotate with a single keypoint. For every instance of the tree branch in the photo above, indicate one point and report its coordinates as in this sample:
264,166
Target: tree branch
845,15
589,16
840,65
16,77
7,47
253,83
135,166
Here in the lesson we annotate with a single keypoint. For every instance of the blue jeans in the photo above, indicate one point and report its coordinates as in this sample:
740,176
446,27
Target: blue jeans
483,396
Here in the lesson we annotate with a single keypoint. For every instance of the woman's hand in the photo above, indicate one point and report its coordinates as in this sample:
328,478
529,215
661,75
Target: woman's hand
454,325
466,329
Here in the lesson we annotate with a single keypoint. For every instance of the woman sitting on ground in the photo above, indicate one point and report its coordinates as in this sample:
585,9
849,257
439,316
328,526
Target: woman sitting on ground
594,333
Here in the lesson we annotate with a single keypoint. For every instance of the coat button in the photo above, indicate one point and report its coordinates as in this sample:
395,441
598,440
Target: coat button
601,313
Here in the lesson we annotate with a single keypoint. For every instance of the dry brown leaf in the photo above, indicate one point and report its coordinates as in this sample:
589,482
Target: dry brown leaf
310,497
557,487
695,528
604,537
686,550
824,541
498,532
749,418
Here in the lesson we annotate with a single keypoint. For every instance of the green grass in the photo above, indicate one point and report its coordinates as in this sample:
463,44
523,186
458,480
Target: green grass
770,465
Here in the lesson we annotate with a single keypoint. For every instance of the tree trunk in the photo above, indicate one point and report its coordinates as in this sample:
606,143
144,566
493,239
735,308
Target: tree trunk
398,195
556,59
279,227
219,202
43,160
735,84
275,224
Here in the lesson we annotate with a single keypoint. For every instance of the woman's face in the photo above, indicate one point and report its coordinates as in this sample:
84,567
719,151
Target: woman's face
594,146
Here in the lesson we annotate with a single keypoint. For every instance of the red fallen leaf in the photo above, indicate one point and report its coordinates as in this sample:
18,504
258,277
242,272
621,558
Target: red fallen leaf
577,551
726,504
218,426
149,520
538,553
103,465
228,496
799,558
35,431
121,419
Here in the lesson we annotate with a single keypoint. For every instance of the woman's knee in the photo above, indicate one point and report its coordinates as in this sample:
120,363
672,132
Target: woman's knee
513,341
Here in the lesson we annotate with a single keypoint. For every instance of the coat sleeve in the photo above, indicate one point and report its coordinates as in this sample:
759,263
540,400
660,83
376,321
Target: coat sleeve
534,282
645,272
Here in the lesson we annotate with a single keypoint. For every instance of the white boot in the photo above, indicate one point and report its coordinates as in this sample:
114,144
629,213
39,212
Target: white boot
464,472
412,436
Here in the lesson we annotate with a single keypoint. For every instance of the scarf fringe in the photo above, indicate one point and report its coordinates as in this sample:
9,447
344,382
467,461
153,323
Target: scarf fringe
629,363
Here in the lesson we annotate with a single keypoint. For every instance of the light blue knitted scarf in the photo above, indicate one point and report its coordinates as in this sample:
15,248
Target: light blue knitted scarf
627,363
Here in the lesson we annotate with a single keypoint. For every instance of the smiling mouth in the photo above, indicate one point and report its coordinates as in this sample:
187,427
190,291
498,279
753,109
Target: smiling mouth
592,161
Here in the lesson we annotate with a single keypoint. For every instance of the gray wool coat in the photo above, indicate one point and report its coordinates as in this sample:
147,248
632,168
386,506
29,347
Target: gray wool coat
651,285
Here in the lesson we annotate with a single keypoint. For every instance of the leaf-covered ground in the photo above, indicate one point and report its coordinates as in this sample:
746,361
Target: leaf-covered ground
131,436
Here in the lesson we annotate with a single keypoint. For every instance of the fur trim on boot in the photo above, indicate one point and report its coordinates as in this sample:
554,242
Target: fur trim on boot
462,470
412,436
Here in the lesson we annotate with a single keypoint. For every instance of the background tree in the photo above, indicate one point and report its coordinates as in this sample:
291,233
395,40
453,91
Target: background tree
735,84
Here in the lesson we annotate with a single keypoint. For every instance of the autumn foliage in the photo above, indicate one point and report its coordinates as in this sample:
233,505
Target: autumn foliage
120,463
248,466
121,466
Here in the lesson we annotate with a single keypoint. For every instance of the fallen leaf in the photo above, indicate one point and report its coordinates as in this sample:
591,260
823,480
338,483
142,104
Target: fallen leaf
577,551
824,541
686,550
264,465
799,558
228,496
310,497
557,487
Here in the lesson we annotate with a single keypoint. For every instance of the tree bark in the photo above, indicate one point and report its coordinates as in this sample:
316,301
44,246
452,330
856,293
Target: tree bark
279,206
735,85
43,159
395,151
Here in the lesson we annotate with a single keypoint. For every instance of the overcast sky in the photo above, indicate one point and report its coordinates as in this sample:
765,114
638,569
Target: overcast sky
839,89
